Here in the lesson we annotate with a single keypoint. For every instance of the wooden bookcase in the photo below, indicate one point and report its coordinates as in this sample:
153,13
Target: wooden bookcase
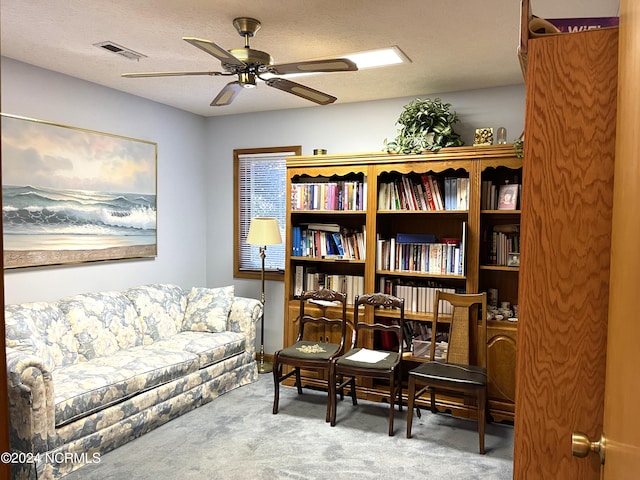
369,219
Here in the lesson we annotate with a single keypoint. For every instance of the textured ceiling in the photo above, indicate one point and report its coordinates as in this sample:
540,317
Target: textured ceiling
453,45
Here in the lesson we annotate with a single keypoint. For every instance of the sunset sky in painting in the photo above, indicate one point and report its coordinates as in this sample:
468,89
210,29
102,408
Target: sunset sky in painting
46,155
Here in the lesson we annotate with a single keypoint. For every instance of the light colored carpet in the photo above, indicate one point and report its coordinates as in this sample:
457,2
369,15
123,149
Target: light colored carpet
237,437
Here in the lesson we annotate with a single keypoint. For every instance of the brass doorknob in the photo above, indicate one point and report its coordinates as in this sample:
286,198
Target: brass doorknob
581,446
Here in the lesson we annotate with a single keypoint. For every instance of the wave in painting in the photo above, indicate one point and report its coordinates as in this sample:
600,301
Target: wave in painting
35,211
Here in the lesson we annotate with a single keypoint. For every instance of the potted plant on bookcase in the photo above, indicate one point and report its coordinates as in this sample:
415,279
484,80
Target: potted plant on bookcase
425,125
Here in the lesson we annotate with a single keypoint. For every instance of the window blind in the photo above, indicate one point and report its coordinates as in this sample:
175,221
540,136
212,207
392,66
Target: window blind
262,193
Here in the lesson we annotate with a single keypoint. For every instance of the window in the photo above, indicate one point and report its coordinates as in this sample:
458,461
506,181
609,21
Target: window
260,190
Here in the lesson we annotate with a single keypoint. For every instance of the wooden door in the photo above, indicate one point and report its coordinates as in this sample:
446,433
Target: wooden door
566,218
622,390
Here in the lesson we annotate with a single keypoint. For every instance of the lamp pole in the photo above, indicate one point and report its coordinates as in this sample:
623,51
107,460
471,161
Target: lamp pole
262,366
263,231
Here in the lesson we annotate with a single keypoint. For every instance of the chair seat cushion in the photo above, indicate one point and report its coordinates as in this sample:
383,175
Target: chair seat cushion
386,363
464,374
310,350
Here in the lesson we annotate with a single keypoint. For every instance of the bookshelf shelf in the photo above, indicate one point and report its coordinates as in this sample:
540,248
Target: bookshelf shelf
425,212
500,268
500,212
403,273
438,204
328,260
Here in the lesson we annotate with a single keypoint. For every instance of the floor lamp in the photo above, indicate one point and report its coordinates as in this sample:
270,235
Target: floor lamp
263,231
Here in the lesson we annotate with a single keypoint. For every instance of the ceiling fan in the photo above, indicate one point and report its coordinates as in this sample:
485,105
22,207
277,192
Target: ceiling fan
249,64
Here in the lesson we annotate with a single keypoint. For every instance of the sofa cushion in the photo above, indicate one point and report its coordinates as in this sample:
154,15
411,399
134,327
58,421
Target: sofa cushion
208,309
41,329
86,387
161,309
102,322
210,348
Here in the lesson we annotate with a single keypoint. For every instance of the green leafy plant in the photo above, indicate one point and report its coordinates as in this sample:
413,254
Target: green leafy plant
518,145
425,125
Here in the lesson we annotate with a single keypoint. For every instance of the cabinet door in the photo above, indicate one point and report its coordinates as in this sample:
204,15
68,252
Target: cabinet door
501,369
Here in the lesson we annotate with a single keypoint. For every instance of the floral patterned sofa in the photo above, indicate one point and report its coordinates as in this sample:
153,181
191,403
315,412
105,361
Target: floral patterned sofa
91,372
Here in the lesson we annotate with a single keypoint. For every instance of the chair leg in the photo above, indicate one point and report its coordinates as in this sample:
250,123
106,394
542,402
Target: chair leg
482,414
410,403
352,386
331,401
433,401
399,383
277,368
392,397
334,381
298,381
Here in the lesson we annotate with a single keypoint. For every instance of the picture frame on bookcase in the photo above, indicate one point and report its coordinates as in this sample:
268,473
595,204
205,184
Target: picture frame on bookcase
508,196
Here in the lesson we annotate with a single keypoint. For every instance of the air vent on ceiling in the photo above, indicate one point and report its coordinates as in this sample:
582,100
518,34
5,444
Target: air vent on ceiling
120,50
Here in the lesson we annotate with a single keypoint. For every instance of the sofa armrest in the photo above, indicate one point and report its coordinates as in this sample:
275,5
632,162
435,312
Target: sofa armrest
31,402
245,312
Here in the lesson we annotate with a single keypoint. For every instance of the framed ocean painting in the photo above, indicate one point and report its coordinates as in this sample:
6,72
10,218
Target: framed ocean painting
71,195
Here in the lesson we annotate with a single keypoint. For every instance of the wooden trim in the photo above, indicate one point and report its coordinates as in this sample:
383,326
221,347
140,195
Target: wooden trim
451,153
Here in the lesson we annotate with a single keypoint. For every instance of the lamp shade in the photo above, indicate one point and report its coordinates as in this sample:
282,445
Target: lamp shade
264,231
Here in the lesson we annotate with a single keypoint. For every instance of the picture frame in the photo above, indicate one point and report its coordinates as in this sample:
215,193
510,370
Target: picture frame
508,196
513,260
73,195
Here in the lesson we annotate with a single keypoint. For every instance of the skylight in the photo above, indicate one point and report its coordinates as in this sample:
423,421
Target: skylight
378,58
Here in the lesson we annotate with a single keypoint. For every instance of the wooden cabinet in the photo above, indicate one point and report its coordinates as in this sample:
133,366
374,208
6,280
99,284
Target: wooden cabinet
501,364
372,222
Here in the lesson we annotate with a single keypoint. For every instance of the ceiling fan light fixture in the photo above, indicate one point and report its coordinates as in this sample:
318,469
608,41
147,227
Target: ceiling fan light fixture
247,80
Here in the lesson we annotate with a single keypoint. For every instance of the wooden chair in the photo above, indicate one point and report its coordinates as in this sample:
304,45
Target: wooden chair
463,372
308,353
345,369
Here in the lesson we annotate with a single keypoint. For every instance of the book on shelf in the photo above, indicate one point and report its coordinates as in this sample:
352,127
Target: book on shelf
419,297
328,241
298,281
329,195
502,240
415,238
422,253
326,227
424,192
315,279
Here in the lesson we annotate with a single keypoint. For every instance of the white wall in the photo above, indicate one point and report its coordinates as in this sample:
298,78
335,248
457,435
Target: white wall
182,201
349,128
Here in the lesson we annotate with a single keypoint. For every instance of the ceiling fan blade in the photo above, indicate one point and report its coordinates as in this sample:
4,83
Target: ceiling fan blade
215,50
227,94
168,74
331,65
301,91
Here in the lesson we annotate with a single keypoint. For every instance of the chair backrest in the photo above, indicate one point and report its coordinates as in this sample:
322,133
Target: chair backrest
466,327
323,299
378,300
